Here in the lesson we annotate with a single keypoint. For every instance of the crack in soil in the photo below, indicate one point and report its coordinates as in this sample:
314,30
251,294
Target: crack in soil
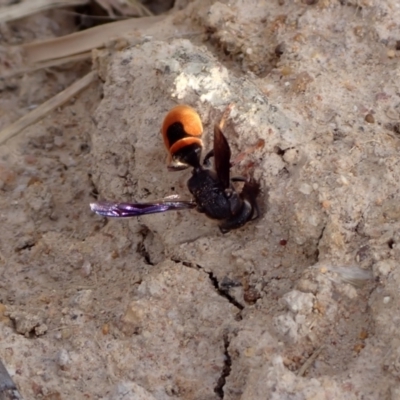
141,246
226,370
317,252
222,292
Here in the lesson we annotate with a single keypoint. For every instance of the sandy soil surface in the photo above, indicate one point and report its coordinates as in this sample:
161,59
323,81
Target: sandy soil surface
302,303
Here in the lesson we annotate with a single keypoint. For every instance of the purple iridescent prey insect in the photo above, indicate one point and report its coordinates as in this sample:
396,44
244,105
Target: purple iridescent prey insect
119,210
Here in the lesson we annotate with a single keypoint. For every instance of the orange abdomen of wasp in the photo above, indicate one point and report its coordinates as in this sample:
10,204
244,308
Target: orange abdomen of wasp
182,130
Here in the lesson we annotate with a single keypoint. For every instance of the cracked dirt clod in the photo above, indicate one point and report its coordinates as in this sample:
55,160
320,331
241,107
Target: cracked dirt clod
168,312
28,324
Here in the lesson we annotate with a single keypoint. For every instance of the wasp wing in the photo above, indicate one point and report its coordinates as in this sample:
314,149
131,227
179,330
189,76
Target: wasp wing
121,210
222,157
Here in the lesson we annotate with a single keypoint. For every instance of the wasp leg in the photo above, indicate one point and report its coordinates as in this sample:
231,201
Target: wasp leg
239,219
239,179
257,212
249,209
251,192
206,161
235,202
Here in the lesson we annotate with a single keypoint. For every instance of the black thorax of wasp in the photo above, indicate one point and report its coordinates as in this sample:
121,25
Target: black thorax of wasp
212,188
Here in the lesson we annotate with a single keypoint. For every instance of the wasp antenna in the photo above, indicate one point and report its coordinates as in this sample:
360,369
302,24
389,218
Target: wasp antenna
241,156
225,115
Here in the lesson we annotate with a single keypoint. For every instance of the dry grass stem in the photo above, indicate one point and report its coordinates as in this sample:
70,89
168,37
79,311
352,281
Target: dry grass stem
29,7
80,42
48,106
126,8
309,361
47,64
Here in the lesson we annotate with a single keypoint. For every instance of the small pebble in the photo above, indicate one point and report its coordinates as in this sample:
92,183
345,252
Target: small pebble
369,118
305,188
63,359
86,268
391,54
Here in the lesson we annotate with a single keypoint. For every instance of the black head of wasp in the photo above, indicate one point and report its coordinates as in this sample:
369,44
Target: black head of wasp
212,189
